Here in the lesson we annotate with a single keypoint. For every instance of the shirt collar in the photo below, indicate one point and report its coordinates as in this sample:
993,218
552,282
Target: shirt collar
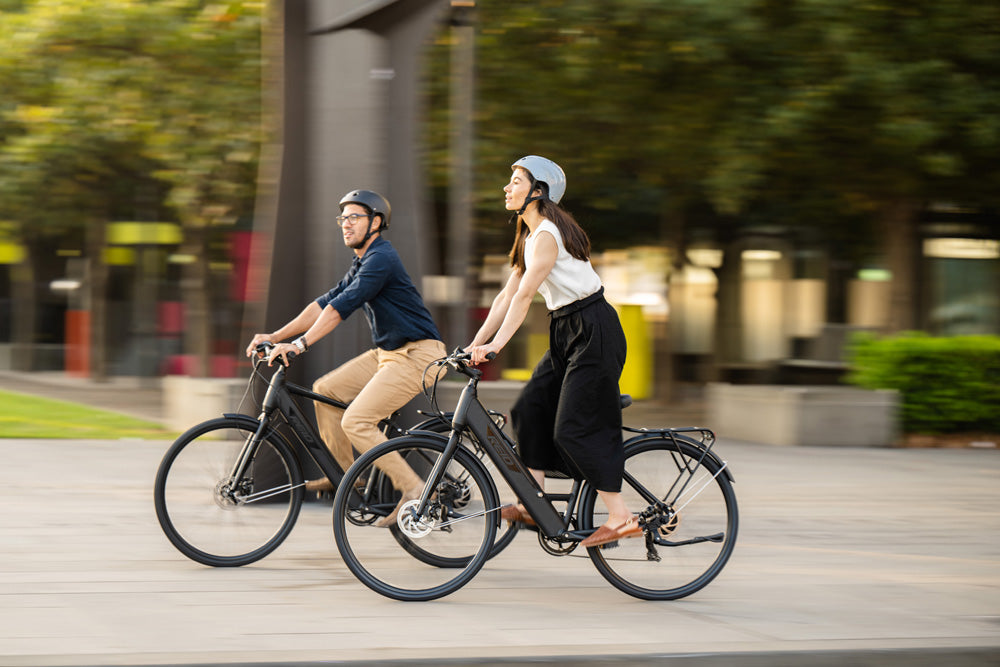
377,242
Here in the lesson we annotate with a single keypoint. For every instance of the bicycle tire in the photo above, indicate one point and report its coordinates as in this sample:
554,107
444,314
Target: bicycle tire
697,540
198,513
459,534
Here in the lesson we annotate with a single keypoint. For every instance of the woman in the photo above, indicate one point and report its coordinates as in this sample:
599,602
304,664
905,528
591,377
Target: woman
568,417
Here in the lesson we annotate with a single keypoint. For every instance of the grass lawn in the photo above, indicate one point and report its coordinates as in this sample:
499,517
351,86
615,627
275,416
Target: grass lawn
25,416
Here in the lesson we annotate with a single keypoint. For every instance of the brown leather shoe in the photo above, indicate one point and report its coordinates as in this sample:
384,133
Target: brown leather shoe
319,485
603,535
515,513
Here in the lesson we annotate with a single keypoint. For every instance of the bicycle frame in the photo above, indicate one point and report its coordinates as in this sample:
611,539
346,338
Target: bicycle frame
279,397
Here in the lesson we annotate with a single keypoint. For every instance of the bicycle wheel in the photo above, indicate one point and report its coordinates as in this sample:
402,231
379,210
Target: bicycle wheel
506,530
689,506
211,519
451,542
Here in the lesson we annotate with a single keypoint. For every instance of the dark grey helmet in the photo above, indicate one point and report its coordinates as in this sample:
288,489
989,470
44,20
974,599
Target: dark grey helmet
373,201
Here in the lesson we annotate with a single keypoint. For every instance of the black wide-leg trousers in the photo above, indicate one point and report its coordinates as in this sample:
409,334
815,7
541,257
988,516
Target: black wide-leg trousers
568,418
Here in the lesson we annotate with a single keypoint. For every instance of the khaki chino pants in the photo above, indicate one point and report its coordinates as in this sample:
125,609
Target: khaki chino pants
376,384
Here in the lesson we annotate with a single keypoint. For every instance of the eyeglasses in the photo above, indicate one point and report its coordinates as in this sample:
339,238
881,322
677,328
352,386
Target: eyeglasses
351,219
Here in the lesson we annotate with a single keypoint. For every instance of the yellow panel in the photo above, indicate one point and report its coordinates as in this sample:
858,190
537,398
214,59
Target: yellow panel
119,256
146,233
637,376
11,253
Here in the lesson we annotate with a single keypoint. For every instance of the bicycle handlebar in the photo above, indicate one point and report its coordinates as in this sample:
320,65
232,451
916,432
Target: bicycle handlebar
263,352
458,361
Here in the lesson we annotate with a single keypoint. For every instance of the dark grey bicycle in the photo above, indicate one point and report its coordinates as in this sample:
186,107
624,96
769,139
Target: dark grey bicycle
229,490
680,489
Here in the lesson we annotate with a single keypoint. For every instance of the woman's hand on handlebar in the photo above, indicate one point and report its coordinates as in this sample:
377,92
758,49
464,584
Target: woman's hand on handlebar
482,353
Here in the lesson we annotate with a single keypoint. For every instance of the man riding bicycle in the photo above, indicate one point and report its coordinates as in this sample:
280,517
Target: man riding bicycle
382,380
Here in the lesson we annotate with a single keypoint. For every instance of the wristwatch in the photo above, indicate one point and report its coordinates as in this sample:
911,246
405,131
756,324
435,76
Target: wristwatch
300,343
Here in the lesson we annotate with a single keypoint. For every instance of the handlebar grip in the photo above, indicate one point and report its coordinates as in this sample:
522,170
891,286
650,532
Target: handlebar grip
490,356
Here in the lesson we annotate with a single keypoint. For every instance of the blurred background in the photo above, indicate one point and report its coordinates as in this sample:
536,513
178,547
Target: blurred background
760,179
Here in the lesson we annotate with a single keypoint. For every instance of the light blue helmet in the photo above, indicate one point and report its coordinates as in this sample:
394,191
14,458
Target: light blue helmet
544,170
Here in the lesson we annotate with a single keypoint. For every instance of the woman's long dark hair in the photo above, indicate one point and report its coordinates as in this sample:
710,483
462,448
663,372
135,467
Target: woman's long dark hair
574,238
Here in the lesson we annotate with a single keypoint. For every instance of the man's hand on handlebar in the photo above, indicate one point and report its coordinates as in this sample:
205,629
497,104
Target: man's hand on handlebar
283,353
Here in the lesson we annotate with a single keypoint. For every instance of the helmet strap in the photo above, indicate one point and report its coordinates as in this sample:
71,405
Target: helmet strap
368,234
527,200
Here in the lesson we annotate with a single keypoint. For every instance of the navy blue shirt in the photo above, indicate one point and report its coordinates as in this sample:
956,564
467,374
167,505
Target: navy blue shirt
378,283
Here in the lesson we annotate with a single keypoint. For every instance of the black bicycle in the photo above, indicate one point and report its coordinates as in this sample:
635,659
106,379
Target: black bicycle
680,489
229,490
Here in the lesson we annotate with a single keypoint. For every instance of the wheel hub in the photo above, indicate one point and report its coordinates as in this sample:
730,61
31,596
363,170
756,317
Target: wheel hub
224,496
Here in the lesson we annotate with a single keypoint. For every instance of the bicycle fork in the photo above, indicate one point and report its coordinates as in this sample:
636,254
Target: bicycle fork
233,489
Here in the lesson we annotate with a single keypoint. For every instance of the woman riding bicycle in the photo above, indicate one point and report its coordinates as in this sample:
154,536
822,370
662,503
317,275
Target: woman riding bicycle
568,417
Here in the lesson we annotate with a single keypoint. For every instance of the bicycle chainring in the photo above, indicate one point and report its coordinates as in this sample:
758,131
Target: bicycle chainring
556,547
361,516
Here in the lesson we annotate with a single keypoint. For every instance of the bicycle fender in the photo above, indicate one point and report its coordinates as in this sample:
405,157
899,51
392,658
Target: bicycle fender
241,417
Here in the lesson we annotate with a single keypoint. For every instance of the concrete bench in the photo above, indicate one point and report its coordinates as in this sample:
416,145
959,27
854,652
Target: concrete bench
804,415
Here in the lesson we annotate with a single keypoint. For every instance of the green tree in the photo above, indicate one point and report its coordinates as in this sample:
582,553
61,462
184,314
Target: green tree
829,117
129,110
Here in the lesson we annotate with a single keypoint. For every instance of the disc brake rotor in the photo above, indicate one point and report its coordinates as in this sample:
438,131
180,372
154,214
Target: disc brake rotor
223,496
668,524
412,525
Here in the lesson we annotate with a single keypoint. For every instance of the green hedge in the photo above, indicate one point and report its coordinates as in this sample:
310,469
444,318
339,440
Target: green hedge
946,385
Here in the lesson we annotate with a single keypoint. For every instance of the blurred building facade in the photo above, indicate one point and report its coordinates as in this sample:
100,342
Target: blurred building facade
761,307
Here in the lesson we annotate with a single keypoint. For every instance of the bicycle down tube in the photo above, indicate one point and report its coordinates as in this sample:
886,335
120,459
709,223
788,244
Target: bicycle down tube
471,415
276,399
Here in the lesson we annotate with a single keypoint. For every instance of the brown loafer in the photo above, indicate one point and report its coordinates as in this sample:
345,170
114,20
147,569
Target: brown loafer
515,513
319,485
603,535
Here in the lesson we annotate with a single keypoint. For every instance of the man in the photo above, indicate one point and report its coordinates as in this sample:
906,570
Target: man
385,378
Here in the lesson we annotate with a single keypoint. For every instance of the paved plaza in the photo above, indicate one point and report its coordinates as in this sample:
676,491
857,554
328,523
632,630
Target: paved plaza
845,556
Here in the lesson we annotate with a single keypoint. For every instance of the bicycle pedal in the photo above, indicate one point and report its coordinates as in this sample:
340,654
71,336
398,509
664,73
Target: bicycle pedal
610,545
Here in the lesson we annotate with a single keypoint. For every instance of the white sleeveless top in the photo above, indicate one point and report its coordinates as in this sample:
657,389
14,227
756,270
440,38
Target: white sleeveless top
570,280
